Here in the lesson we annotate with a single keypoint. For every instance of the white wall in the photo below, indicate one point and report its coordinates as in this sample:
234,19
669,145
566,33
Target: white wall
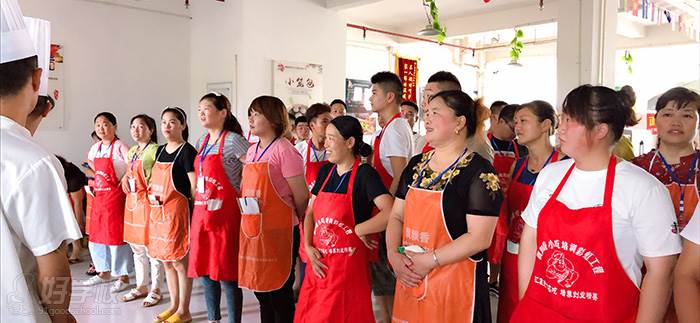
117,59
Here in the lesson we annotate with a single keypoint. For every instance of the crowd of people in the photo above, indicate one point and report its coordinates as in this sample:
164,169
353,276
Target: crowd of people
314,220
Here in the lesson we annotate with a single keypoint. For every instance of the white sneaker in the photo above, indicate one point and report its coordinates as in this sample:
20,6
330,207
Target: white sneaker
96,280
119,286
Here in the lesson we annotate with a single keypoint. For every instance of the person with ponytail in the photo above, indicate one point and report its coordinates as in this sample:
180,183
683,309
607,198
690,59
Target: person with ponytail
442,221
592,223
169,194
110,254
216,219
534,124
337,230
141,158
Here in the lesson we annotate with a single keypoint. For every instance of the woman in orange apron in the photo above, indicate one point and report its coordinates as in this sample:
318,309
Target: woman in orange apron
141,157
273,197
675,162
111,256
169,194
216,219
337,228
592,222
534,124
314,153
442,221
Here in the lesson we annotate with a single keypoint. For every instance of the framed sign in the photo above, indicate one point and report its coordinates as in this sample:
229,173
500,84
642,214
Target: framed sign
297,83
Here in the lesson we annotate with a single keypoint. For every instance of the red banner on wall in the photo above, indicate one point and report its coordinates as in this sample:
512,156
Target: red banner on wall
407,70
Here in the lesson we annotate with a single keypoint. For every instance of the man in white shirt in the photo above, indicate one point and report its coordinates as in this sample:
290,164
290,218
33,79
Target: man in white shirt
410,112
37,219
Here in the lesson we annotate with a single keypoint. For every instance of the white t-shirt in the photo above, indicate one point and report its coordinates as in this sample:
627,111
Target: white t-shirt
119,155
643,215
691,232
397,141
418,143
36,218
303,146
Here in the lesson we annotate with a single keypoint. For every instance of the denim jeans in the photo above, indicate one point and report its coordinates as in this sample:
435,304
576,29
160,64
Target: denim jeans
212,296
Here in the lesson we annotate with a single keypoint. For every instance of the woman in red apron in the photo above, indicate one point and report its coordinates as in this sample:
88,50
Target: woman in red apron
141,157
534,124
442,221
314,153
111,256
273,196
675,162
592,222
169,194
216,219
337,229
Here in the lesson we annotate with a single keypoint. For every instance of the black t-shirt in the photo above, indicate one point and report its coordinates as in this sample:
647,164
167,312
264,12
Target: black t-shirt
471,188
367,187
181,166
506,146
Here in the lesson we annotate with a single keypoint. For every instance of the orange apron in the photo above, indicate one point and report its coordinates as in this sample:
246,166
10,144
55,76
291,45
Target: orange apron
169,226
447,293
265,249
137,209
683,194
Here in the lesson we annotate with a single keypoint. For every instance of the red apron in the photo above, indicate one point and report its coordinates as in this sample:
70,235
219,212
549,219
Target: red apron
345,294
502,162
376,158
577,275
426,149
448,292
516,201
137,207
89,197
169,226
216,219
107,217
312,169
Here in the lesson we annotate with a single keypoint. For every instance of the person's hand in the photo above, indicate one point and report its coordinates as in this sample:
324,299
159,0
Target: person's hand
401,265
315,256
370,243
421,263
125,184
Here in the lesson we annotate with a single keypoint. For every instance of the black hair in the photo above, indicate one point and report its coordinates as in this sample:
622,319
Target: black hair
107,115
16,74
150,123
410,104
462,105
43,103
496,107
94,135
274,110
316,110
300,119
507,114
221,102
390,83
181,116
593,105
542,110
447,80
350,127
339,101
681,96
291,117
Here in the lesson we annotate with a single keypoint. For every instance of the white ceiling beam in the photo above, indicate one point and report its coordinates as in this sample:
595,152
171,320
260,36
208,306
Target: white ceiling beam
347,4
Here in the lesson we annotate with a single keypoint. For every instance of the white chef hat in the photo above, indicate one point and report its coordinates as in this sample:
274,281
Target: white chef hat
40,32
15,42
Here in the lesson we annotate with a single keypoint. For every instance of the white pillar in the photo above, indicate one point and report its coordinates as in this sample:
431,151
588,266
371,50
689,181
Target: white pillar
585,44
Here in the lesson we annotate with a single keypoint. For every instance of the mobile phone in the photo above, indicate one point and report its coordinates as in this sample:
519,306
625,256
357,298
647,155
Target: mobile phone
86,165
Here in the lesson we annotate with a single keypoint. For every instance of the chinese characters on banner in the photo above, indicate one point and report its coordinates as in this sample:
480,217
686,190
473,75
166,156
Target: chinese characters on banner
407,70
298,85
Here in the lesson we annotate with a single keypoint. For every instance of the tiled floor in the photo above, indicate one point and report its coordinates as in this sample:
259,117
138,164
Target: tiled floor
96,304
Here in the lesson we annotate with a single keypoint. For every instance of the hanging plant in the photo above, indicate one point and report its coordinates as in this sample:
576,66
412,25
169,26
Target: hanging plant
627,58
436,21
516,46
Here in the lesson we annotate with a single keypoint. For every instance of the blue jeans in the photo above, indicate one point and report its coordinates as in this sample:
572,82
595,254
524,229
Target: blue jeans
212,296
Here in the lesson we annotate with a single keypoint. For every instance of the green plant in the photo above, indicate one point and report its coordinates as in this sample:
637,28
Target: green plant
627,58
436,21
516,45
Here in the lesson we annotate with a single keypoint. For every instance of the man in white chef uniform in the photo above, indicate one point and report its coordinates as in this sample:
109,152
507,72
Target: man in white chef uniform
37,219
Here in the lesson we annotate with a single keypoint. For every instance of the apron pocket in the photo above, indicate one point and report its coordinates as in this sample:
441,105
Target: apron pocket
251,225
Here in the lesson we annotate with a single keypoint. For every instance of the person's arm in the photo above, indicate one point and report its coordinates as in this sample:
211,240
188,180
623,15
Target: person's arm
394,235
686,283
397,166
378,222
312,253
77,198
55,284
526,258
300,192
656,288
